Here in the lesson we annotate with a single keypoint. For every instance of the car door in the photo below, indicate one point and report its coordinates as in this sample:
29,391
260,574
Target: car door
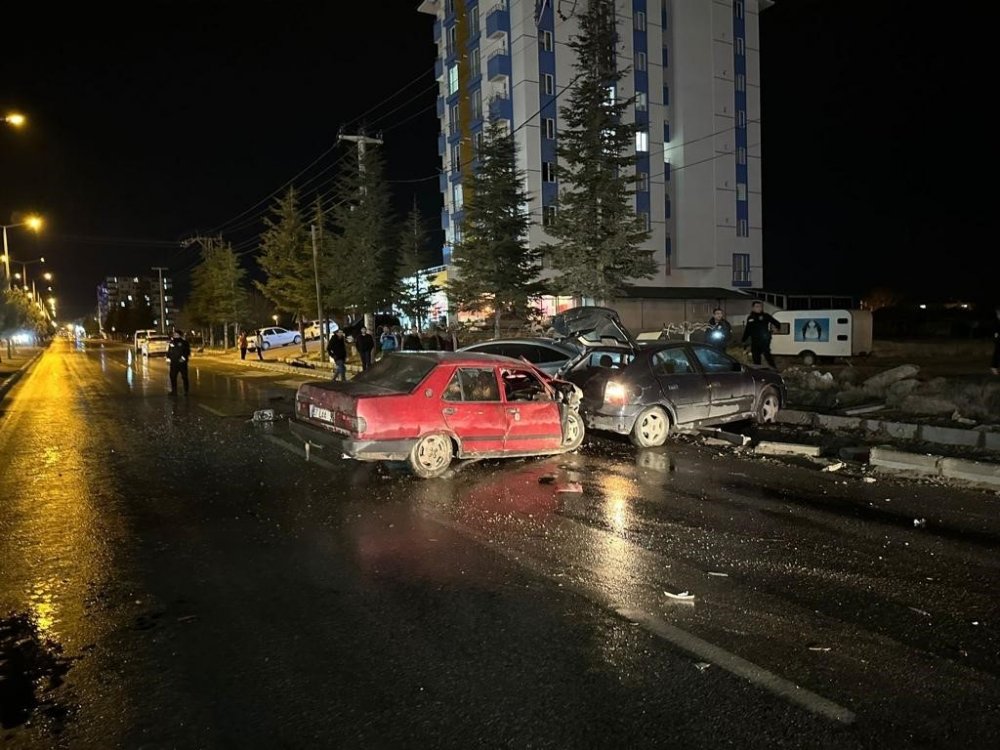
533,420
682,383
473,410
730,387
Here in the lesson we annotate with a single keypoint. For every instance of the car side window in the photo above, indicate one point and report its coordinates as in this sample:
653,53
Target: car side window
520,350
712,360
472,384
489,349
672,362
544,355
521,385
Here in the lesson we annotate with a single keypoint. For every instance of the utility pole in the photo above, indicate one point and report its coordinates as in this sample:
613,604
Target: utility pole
362,141
319,300
163,301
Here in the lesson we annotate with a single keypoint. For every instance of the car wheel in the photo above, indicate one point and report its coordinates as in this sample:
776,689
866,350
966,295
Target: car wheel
768,407
431,456
808,359
652,428
265,346
574,432
297,340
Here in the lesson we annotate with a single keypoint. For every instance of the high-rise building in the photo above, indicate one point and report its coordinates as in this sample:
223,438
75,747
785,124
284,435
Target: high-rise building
693,69
135,292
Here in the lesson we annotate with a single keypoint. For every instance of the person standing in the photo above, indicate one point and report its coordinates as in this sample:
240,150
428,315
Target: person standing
258,346
178,353
995,368
337,349
719,329
387,342
412,342
758,330
365,344
243,343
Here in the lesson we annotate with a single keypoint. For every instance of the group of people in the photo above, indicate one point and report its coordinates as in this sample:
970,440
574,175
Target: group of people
757,330
368,347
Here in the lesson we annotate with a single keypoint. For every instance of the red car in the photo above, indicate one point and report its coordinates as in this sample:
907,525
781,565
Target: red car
430,407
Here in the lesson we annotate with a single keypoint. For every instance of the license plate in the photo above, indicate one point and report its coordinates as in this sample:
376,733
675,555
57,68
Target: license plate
317,412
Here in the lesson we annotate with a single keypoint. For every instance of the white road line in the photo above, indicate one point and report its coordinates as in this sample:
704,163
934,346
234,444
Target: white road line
299,451
210,410
717,655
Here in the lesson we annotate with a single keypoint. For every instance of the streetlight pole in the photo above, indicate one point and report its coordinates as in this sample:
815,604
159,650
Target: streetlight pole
163,305
32,222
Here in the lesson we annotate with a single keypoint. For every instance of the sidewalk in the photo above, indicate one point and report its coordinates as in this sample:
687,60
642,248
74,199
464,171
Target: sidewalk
277,362
13,368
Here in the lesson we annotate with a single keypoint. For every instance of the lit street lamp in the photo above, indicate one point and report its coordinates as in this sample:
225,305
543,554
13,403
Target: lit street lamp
275,319
15,119
33,223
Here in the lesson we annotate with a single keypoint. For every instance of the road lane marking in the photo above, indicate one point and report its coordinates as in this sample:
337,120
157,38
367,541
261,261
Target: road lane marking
299,451
211,410
684,640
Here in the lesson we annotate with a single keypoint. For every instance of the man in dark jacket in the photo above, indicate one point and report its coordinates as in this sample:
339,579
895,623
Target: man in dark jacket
178,353
719,330
337,349
412,342
758,330
365,344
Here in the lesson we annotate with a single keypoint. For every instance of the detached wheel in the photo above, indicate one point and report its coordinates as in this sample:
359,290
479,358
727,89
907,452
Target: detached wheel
431,456
574,432
768,407
652,428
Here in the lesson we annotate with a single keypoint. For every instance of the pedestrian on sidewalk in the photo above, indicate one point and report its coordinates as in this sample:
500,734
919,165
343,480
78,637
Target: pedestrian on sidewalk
243,343
412,342
365,344
388,342
178,353
995,369
758,330
337,349
719,329
258,338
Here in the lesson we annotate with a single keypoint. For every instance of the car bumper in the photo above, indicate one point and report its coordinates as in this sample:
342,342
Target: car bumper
611,420
363,450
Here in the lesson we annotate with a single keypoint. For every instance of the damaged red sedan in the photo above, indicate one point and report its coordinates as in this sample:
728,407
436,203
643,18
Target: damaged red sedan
428,408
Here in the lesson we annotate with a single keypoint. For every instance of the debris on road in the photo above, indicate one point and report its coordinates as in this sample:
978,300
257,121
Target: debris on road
684,596
264,415
869,480
701,666
547,479
717,574
919,522
817,647
925,613
835,466
574,487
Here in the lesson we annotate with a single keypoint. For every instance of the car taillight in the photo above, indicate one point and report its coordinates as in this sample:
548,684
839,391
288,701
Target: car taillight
615,393
350,423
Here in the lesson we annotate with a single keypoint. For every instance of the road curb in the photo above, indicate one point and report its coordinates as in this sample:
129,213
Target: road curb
974,472
11,381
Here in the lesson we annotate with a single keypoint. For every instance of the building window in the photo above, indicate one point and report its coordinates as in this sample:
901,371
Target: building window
738,8
550,127
473,15
666,96
546,42
449,7
548,171
741,155
453,120
642,182
666,206
666,132
451,40
641,105
641,141
548,216
474,70
478,140
452,80
741,119
741,268
548,84
477,105
456,196
741,82
644,221
742,228
741,191
640,60
456,158
640,21
741,46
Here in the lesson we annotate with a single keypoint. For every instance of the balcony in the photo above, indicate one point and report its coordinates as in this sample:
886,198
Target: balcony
440,107
439,69
442,145
437,32
501,107
443,183
498,65
498,21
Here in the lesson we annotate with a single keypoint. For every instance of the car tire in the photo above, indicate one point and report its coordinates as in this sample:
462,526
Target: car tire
297,340
265,346
768,406
574,431
431,456
651,428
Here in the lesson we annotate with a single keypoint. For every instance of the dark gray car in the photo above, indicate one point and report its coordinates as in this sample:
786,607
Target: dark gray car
548,355
644,393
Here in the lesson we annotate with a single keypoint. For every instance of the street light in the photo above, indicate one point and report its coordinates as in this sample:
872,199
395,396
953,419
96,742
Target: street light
33,223
275,319
16,119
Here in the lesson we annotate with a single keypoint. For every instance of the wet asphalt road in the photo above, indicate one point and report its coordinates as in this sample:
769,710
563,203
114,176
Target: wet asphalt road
173,575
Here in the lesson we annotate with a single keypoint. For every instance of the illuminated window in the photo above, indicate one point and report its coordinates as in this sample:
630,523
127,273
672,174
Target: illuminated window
452,79
641,104
741,191
456,196
642,141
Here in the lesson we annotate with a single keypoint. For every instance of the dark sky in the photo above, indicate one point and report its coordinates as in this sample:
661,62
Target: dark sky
148,127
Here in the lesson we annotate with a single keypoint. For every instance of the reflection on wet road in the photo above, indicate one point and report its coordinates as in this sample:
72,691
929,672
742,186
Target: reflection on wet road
165,557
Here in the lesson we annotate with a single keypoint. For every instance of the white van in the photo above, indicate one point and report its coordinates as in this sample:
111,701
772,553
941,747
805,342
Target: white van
811,334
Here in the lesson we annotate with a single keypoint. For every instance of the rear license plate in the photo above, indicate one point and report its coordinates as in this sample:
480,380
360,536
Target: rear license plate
317,412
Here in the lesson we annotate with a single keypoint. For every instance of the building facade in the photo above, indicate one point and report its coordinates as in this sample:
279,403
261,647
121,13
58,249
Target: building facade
138,291
693,69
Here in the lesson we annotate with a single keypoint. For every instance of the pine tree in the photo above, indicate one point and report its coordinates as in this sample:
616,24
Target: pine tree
496,269
286,257
598,235
363,216
218,288
414,299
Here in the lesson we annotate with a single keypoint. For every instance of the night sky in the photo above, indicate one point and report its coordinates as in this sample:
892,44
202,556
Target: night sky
874,158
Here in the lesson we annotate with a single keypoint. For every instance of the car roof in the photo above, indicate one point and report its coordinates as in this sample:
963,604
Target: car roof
459,358
538,341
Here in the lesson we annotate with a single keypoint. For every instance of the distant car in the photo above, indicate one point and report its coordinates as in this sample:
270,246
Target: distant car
272,337
428,408
313,329
140,336
156,344
646,393
547,355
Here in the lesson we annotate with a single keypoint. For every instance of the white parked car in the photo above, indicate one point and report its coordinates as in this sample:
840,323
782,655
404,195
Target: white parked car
155,345
274,336
313,329
140,337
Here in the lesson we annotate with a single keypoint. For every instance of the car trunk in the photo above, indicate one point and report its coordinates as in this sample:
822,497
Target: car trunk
337,406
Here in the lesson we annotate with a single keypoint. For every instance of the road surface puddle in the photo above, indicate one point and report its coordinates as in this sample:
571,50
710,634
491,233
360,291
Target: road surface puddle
31,668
